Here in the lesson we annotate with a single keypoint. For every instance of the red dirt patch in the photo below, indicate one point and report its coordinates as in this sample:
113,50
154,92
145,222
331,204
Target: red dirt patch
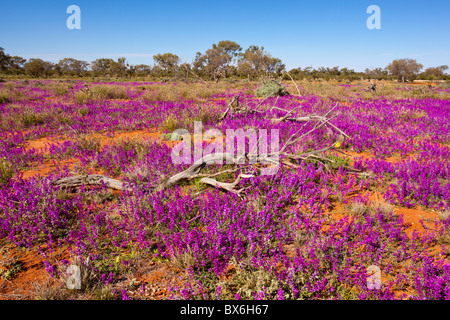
32,271
48,167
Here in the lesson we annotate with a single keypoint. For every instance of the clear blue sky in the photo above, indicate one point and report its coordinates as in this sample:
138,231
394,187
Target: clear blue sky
300,33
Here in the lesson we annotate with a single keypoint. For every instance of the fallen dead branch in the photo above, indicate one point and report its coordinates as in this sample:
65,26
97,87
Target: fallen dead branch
228,186
194,170
293,82
92,179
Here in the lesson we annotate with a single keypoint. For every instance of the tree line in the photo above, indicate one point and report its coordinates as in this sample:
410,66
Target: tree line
226,59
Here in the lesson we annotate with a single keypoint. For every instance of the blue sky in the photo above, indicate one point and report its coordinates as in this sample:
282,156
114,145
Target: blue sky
300,33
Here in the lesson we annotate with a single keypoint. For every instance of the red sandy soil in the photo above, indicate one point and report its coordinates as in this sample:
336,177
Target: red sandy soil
48,167
32,272
421,84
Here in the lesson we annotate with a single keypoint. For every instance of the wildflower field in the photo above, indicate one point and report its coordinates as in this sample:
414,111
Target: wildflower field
377,200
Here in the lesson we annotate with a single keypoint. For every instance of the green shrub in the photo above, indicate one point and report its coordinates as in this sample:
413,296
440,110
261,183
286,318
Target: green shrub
101,92
86,143
83,111
249,92
30,118
82,97
110,92
271,88
61,90
13,267
6,171
338,161
4,98
170,124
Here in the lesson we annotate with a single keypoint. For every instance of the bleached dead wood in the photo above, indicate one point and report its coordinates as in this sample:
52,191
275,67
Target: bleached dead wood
92,179
228,186
230,106
298,91
194,170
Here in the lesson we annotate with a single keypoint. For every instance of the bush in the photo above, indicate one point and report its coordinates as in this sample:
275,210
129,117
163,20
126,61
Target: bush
82,97
31,118
4,98
110,92
61,90
101,92
88,144
271,88
6,171
170,123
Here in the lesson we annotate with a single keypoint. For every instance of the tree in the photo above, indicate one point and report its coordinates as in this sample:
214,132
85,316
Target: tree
185,69
4,60
274,65
157,72
142,70
38,68
119,68
255,61
435,73
217,60
251,61
10,64
168,62
376,73
72,67
110,67
246,68
16,64
199,64
101,66
299,74
404,69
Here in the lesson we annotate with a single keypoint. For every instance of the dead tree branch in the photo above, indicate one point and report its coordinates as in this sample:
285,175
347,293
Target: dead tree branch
92,179
228,186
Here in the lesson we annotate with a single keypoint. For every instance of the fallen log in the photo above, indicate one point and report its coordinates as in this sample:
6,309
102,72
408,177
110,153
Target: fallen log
194,170
92,179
